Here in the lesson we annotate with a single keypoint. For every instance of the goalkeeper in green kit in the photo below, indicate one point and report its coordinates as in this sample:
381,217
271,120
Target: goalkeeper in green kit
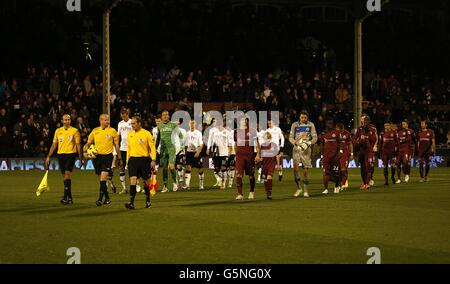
168,134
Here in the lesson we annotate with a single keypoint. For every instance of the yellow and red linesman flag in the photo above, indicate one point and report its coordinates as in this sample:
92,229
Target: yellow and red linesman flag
43,186
153,183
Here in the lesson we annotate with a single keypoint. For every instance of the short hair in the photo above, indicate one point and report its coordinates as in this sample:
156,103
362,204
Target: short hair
165,110
387,122
158,116
137,118
124,111
304,112
405,120
340,125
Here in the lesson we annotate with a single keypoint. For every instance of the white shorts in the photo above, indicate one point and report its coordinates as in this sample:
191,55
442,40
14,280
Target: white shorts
303,157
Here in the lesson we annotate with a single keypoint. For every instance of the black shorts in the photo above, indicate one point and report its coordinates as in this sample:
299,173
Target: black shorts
140,167
180,159
220,162
192,161
103,163
66,162
123,155
231,162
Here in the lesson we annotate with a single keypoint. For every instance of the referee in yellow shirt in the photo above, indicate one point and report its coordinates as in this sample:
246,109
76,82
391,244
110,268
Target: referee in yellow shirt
67,141
105,138
141,158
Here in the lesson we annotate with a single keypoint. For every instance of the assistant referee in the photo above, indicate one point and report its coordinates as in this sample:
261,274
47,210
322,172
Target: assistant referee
67,139
105,138
141,158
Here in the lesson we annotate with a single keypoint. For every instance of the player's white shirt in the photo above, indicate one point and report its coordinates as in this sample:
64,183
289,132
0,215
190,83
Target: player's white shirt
221,140
178,139
277,135
231,141
155,136
123,129
193,140
210,144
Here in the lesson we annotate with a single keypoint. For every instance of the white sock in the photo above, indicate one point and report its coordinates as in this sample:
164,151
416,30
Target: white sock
180,176
224,177
230,176
259,174
188,179
122,181
218,178
201,179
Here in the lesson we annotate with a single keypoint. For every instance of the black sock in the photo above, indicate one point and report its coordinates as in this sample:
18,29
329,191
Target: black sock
421,170
132,193
427,169
393,173
147,192
103,190
68,188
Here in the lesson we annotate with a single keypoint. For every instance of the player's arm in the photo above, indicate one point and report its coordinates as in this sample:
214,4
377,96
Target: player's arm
281,141
117,147
292,135
78,146
313,134
128,148
89,142
258,150
350,147
375,144
119,131
52,150
210,141
158,138
322,143
152,147
433,144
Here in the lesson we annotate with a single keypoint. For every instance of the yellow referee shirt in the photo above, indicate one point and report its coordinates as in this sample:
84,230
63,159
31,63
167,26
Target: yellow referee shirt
104,139
67,140
140,144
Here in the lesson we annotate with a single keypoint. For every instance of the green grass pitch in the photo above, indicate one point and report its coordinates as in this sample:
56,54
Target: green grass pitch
409,223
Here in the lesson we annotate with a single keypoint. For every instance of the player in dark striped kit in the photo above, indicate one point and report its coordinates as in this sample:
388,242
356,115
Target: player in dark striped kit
389,147
365,140
426,146
330,149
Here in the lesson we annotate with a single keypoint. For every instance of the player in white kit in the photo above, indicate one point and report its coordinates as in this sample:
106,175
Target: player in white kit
123,128
194,146
180,158
221,151
277,138
210,148
231,161
155,136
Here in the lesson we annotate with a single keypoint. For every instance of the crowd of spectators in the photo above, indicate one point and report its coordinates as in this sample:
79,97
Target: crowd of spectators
31,105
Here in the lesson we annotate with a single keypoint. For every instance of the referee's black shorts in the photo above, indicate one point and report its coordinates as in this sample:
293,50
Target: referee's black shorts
140,167
123,155
103,163
66,162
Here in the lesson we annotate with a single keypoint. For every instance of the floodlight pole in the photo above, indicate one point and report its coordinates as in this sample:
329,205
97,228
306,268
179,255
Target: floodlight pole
357,98
358,88
106,92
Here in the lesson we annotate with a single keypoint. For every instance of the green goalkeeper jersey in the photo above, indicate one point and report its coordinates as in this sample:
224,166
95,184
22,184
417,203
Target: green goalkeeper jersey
165,134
